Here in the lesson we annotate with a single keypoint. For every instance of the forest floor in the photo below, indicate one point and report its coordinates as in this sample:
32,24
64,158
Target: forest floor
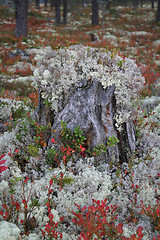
123,30
133,33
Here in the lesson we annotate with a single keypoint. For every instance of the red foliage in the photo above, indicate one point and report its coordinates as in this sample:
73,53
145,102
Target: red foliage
153,213
51,226
100,220
2,168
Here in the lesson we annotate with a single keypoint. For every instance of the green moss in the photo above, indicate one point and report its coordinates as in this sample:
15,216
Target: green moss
18,112
73,138
33,150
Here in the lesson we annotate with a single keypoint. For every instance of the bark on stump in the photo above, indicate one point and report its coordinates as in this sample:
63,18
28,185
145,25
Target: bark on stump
92,108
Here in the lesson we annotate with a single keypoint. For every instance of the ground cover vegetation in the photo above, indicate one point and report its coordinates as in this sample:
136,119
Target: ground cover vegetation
55,191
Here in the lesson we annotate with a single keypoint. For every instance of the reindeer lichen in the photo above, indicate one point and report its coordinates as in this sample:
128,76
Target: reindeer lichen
60,72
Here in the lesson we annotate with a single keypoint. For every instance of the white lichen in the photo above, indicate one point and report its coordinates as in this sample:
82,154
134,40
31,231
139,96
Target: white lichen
58,71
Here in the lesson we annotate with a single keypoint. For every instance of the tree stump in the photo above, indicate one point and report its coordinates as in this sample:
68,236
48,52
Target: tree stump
100,111
92,108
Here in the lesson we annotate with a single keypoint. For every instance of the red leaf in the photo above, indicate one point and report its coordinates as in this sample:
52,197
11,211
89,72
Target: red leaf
24,201
17,150
1,213
2,156
120,228
83,209
50,191
52,140
2,161
26,179
133,237
2,168
73,220
51,182
139,231
82,149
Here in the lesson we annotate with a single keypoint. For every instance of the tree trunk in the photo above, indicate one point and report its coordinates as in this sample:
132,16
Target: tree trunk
57,12
64,12
95,12
152,4
21,12
45,3
135,3
37,4
52,3
158,12
83,3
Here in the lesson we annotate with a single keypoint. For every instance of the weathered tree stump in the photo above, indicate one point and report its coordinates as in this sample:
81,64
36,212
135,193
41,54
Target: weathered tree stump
92,107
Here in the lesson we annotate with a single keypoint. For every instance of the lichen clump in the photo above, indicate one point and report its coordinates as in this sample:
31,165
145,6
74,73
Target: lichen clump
60,70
